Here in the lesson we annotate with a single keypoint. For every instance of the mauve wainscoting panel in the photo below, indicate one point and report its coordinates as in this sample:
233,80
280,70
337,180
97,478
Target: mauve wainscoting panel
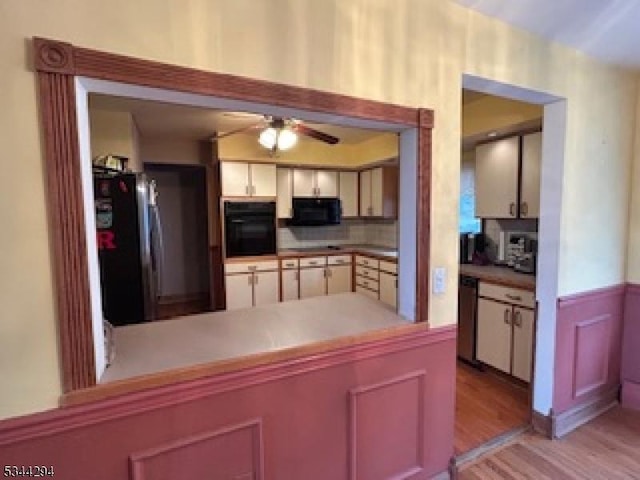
631,349
588,346
383,409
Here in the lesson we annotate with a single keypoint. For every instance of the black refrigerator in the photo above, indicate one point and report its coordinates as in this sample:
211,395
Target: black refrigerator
130,252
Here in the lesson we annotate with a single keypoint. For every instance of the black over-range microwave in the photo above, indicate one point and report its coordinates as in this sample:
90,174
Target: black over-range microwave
316,211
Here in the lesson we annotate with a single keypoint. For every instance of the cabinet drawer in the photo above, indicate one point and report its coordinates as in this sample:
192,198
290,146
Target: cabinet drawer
367,262
243,267
367,283
290,263
367,292
367,272
514,296
313,262
389,267
339,259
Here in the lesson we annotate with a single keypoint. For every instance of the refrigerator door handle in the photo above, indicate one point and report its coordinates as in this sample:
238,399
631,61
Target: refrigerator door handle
157,250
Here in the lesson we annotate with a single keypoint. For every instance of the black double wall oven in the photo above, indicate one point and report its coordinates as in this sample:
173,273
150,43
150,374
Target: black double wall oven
249,228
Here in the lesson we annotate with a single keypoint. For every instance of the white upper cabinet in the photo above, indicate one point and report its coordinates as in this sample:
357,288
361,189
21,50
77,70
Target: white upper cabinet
348,182
530,188
240,179
263,180
285,192
235,179
365,193
379,192
326,183
304,184
497,179
315,183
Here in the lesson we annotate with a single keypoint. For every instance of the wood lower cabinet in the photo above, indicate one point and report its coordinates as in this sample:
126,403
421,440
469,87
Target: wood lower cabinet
505,331
523,323
265,288
312,282
252,283
388,288
338,279
290,285
239,290
493,345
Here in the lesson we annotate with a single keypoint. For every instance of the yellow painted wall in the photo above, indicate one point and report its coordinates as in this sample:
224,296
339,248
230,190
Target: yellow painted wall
312,152
633,264
493,113
114,133
409,52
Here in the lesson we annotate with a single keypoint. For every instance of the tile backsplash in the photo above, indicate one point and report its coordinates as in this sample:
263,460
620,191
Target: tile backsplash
351,231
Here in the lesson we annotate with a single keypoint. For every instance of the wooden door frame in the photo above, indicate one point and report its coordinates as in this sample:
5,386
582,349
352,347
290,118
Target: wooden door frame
57,64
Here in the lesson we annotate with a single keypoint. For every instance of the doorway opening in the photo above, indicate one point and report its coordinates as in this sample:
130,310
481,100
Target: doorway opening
506,220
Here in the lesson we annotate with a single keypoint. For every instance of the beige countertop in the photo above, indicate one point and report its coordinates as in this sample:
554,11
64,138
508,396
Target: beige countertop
499,275
186,341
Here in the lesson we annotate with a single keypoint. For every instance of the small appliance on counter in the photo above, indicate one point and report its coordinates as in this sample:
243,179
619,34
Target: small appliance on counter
520,250
472,248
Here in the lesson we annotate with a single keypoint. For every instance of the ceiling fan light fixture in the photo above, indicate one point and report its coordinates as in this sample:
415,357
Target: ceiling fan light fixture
268,138
286,139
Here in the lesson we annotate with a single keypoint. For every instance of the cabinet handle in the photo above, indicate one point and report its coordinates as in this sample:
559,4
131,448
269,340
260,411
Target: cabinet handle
329,273
339,260
507,315
512,209
524,209
517,321
296,275
252,268
256,279
313,262
516,298
250,279
246,189
396,281
253,189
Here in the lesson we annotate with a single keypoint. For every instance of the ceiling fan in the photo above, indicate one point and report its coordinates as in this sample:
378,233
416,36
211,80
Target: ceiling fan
279,133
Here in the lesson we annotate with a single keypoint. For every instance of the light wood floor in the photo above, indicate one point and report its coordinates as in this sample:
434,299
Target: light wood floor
486,407
607,448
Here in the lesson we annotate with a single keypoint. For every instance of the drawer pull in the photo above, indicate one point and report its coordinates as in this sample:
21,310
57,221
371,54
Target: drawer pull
516,298
507,315
339,260
517,321
252,268
313,262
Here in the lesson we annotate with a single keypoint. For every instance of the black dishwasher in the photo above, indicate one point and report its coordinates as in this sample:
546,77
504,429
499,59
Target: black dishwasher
467,316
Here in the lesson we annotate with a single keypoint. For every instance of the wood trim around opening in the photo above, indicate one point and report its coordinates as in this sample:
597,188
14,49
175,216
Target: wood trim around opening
58,63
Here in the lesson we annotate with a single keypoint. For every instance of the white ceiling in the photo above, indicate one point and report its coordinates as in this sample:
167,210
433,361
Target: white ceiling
606,29
157,119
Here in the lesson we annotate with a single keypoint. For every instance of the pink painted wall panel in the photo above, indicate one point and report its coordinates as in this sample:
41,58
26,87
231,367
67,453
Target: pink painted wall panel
303,406
588,346
631,349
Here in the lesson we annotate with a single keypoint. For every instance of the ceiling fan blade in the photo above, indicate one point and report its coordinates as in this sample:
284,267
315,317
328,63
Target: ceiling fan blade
316,134
215,138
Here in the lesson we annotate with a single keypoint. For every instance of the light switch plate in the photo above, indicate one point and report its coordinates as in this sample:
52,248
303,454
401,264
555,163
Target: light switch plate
439,280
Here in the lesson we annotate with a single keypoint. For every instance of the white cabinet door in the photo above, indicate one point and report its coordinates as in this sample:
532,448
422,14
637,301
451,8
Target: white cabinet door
494,334
497,179
285,192
312,282
531,162
239,290
338,279
365,193
303,183
263,180
349,193
266,288
290,285
377,192
235,179
388,289
523,321
326,183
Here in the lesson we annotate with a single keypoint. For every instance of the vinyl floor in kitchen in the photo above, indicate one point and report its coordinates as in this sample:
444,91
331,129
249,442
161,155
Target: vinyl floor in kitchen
487,406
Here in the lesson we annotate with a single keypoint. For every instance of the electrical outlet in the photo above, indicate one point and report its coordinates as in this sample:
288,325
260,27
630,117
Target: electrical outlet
439,280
